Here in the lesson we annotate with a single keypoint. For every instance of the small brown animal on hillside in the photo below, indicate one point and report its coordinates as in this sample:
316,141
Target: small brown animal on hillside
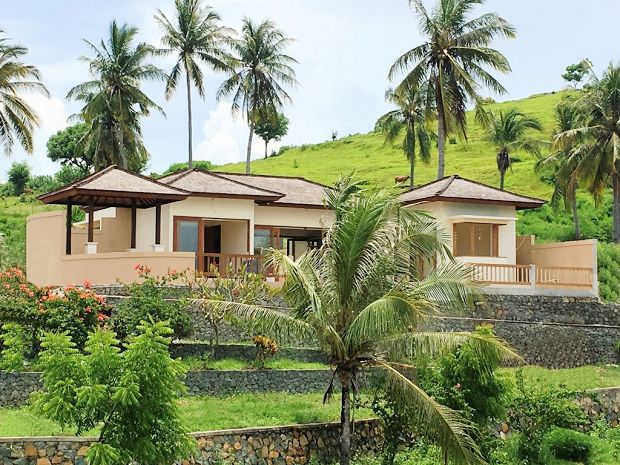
399,179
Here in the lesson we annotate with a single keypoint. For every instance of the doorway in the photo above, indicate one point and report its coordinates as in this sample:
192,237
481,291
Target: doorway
200,236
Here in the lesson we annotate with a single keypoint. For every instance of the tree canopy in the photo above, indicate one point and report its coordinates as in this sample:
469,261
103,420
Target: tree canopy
68,148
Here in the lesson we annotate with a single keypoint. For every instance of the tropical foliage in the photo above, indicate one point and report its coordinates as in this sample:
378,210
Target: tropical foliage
509,132
352,297
271,127
132,394
17,118
113,99
196,37
66,147
410,118
453,62
260,71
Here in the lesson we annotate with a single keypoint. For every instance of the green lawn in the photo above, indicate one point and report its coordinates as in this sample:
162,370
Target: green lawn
581,378
204,363
207,413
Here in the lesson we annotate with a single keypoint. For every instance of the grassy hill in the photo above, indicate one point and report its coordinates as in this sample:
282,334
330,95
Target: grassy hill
373,160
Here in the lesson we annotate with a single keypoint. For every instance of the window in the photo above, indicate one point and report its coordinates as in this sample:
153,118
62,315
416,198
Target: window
475,239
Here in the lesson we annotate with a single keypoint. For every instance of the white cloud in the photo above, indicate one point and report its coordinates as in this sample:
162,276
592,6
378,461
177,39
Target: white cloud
225,138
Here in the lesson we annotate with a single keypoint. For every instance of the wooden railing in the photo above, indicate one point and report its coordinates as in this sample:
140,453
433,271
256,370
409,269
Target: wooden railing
234,263
501,274
530,275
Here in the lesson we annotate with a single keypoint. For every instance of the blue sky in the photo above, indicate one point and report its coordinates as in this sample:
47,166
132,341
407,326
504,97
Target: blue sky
344,49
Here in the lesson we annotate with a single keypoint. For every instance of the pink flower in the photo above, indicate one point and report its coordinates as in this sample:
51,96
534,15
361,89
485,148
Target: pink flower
88,284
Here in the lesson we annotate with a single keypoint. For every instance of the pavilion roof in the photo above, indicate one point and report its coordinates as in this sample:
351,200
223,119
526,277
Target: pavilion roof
115,187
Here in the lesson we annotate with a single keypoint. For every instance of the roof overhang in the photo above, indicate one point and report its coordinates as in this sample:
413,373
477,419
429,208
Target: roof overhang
524,205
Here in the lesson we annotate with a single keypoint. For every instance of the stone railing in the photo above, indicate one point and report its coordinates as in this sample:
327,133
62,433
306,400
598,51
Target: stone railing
278,445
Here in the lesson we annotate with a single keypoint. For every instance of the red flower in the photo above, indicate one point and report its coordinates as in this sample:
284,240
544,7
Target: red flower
88,284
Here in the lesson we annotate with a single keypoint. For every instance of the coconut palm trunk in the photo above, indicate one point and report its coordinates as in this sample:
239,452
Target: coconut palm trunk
266,142
248,157
441,130
190,159
411,171
573,202
345,419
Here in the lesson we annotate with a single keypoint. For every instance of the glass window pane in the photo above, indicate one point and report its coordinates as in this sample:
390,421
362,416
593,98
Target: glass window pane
462,239
262,240
483,240
187,236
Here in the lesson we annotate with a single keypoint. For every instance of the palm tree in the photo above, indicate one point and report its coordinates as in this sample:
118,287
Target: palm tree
453,61
113,99
356,298
565,158
599,140
17,118
260,68
196,37
508,131
409,117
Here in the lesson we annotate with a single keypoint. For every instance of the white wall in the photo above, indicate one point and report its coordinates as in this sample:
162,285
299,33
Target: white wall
447,213
293,217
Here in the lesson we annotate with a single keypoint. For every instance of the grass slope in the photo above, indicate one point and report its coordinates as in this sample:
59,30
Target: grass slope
371,159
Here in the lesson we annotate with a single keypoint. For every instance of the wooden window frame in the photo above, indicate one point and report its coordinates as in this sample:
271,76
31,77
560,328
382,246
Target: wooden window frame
472,230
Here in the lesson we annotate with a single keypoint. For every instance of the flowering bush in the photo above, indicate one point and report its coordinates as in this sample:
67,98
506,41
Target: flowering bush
74,310
264,348
153,298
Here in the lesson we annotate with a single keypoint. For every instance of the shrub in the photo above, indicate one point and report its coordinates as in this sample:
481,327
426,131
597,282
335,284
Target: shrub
265,347
617,347
565,444
154,297
133,395
14,347
535,412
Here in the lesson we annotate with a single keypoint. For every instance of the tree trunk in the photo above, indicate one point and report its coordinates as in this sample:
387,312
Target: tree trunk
441,131
266,142
502,174
249,152
573,202
190,160
411,171
345,420
616,206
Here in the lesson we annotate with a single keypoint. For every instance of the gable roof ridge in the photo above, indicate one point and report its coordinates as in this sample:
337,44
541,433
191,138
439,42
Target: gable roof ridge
278,176
450,180
217,175
499,190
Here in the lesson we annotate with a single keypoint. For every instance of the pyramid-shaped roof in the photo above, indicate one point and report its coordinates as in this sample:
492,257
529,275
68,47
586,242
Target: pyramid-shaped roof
457,189
115,187
204,183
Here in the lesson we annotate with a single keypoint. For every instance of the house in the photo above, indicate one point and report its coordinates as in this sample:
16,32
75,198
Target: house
200,220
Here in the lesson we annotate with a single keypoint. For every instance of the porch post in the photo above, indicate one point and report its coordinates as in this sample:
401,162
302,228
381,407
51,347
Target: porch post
133,224
91,220
157,246
69,224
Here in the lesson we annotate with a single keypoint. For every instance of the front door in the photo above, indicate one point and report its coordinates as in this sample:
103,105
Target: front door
196,235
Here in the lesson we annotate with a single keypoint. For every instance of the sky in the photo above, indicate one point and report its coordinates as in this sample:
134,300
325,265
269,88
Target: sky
344,49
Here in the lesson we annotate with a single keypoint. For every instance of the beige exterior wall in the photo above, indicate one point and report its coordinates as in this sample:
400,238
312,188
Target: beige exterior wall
579,254
112,232
45,245
448,213
293,217
235,237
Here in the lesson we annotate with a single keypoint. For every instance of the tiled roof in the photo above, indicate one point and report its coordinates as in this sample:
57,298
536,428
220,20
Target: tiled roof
213,185
114,186
295,191
455,188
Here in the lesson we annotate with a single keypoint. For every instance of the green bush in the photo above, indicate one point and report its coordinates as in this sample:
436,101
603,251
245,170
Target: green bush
609,272
14,347
565,444
153,298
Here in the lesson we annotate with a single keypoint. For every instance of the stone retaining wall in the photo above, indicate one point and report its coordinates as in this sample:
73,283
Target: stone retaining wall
16,387
279,445
243,351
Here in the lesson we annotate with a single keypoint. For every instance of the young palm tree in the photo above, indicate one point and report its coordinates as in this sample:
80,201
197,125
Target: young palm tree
508,131
113,99
453,60
599,140
196,37
409,117
260,68
565,158
355,295
17,118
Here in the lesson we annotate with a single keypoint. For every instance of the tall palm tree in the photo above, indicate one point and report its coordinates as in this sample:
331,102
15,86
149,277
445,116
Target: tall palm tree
260,68
409,118
565,158
599,138
196,37
114,101
508,131
356,298
17,118
454,60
